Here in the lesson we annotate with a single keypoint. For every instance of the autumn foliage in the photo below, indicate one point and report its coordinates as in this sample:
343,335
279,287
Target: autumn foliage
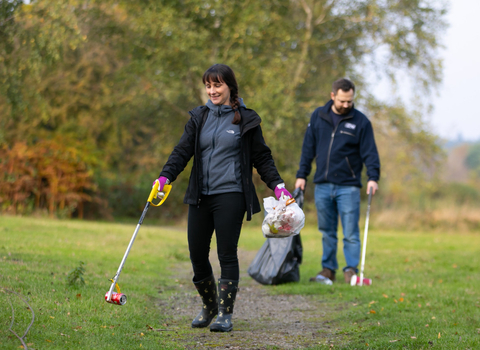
46,175
94,95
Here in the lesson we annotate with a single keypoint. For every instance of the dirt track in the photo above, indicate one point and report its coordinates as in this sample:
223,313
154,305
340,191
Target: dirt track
261,321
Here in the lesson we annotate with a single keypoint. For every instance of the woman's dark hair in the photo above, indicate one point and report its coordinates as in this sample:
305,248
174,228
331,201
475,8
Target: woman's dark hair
221,73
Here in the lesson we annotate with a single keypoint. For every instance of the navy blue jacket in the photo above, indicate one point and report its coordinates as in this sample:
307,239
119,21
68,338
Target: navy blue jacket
341,151
254,153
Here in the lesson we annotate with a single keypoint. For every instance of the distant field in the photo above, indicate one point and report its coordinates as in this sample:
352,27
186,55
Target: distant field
425,288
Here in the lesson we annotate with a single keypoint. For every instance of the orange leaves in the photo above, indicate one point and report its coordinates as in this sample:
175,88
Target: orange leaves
48,174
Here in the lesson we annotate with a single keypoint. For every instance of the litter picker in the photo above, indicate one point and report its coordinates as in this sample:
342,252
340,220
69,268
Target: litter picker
360,281
118,298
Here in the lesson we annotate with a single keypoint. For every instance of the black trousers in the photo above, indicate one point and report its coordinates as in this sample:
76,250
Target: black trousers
222,213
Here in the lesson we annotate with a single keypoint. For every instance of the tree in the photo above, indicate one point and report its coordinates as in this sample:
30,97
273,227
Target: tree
472,161
120,76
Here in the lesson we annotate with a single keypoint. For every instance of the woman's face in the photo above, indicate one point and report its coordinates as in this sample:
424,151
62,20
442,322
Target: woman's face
218,92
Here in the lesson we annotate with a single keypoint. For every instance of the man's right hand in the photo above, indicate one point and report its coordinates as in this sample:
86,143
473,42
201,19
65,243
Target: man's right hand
373,185
300,183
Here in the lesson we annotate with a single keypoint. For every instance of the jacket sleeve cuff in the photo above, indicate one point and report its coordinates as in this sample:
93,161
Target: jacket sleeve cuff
276,183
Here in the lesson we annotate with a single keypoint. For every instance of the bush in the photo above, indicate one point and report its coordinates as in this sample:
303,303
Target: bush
48,174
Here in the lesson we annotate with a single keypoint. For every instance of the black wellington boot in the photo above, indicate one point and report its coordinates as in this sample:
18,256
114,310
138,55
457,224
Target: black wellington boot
208,291
227,292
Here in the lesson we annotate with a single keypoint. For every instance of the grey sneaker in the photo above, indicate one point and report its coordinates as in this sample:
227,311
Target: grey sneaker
348,274
324,274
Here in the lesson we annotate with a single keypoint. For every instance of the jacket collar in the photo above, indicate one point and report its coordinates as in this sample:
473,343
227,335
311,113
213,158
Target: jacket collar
250,118
324,112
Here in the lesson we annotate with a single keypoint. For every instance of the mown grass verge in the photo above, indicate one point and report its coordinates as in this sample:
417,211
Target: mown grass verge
36,256
424,292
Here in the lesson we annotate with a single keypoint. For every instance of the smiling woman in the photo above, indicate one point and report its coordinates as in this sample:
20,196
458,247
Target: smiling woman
218,92
225,139
222,88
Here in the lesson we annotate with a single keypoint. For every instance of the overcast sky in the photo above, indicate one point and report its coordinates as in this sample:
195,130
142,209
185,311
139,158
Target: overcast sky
455,103
456,111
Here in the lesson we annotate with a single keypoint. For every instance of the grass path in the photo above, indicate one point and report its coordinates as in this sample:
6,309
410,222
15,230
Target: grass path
425,292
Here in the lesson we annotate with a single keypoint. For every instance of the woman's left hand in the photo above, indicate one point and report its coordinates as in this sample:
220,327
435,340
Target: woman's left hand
281,192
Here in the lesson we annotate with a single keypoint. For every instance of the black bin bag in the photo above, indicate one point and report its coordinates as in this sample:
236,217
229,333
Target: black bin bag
278,260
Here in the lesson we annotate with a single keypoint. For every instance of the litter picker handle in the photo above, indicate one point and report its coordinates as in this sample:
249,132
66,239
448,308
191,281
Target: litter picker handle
153,193
365,234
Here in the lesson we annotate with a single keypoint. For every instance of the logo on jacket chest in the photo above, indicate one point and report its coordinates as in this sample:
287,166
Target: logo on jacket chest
350,126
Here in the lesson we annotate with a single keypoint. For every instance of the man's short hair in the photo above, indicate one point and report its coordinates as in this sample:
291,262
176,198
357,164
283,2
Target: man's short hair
344,84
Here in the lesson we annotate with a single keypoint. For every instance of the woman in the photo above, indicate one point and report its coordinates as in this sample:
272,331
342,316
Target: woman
226,141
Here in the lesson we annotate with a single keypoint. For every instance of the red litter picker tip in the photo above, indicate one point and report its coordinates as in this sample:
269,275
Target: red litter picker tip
360,280
116,298
120,298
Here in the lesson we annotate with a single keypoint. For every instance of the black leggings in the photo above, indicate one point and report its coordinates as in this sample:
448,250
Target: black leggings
223,213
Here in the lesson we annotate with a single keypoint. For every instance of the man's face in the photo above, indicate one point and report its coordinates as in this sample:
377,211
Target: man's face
342,101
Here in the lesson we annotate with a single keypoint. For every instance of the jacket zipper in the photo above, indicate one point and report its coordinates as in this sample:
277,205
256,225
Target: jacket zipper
242,132
244,129
200,126
213,149
350,167
330,150
347,133
331,143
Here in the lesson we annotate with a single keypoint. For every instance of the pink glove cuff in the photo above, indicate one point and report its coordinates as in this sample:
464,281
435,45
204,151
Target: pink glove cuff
281,190
162,181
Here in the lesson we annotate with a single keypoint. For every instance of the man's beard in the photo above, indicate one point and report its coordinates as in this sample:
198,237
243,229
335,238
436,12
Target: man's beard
343,111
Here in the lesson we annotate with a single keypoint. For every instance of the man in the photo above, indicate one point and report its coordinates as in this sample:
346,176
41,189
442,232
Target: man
341,140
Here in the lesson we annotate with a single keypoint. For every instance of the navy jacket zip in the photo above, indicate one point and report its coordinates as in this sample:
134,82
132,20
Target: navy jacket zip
339,152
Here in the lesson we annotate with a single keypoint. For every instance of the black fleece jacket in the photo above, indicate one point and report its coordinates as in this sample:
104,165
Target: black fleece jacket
254,153
339,151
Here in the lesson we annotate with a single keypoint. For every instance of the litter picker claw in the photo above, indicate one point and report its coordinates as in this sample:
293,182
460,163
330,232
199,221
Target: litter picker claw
360,280
118,298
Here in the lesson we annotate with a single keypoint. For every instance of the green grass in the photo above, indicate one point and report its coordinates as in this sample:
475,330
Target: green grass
425,292
36,256
419,279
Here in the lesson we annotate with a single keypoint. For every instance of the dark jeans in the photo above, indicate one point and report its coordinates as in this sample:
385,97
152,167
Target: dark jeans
223,213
